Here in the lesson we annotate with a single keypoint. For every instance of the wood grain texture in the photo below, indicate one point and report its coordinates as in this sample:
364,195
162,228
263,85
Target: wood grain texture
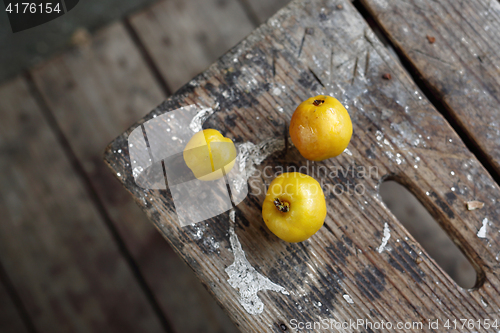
94,92
313,47
185,36
10,318
54,245
461,66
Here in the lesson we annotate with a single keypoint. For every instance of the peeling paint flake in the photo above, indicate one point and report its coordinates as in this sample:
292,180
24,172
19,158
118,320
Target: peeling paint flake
348,299
245,278
482,232
200,117
251,155
473,205
385,238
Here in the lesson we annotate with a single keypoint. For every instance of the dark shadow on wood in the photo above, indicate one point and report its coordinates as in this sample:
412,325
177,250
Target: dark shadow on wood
18,303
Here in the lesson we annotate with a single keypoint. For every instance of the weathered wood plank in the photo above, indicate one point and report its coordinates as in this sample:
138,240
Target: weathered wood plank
185,36
10,318
54,245
363,264
94,92
460,62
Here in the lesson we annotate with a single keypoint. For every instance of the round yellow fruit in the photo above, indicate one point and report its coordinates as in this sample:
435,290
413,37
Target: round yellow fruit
208,154
320,128
294,208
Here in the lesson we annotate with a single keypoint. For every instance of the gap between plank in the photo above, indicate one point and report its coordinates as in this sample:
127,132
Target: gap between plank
251,14
16,299
150,63
428,92
92,193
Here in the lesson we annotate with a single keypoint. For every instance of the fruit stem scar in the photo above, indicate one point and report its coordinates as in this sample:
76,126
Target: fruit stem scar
318,102
282,206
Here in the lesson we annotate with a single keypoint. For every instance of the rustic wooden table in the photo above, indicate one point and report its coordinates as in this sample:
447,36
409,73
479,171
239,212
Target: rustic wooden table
362,264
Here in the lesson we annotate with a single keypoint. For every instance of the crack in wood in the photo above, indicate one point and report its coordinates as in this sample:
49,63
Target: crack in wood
302,44
355,70
368,34
307,31
433,57
367,62
316,77
331,65
342,64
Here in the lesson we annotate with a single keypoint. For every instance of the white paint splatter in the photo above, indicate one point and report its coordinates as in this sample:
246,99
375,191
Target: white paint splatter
210,243
387,143
202,115
251,155
199,230
399,159
385,238
348,152
276,91
137,171
244,277
482,232
348,299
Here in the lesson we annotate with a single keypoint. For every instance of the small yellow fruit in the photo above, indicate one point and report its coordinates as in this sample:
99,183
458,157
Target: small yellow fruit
320,128
294,208
208,153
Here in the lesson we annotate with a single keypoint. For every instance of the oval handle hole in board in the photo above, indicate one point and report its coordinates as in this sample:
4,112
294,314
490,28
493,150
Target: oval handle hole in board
424,228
